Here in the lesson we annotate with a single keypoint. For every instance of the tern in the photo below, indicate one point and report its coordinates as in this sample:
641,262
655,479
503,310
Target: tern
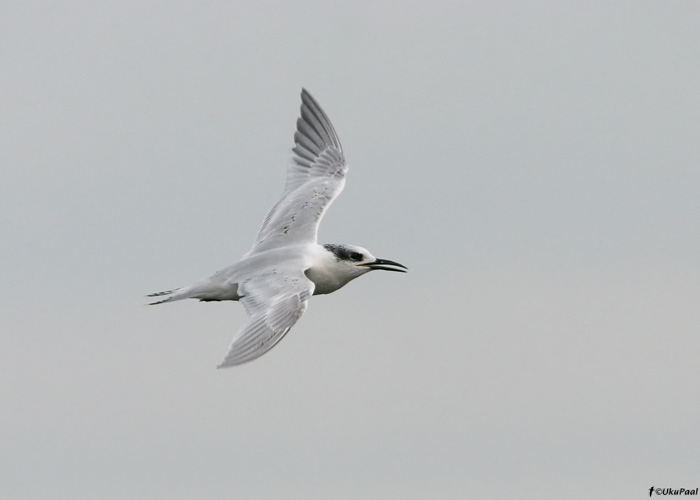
286,265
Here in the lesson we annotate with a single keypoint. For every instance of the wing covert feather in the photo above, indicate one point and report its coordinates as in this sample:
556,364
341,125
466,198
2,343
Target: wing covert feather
274,301
315,178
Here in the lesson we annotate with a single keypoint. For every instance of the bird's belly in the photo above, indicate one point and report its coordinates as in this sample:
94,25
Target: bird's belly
324,282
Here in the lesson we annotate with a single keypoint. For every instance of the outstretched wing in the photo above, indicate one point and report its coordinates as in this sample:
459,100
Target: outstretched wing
274,300
314,179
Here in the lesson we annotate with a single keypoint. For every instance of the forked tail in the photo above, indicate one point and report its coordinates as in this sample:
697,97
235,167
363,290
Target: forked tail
175,294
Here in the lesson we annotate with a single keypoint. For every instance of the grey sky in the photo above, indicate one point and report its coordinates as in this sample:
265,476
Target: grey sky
534,165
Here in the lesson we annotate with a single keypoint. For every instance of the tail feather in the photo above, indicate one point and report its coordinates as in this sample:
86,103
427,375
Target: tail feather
175,294
168,292
206,290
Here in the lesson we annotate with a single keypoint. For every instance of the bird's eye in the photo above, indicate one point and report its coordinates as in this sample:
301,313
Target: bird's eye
356,256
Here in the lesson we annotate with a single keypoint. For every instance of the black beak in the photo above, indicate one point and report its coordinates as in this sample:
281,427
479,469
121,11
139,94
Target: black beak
386,265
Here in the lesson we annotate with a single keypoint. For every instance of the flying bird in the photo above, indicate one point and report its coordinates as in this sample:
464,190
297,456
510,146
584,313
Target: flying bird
286,265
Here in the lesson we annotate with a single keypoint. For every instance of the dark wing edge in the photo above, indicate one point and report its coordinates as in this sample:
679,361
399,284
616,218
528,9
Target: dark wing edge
315,133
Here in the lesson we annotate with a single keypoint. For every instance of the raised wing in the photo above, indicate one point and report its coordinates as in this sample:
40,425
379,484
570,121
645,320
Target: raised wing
274,300
314,179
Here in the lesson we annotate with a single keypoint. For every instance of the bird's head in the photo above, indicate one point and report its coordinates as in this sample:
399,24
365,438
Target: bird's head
356,260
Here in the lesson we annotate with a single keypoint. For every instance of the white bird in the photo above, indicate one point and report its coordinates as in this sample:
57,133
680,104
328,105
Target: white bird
286,265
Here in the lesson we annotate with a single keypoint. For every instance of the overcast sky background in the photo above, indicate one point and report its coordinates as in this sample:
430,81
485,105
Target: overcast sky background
535,165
